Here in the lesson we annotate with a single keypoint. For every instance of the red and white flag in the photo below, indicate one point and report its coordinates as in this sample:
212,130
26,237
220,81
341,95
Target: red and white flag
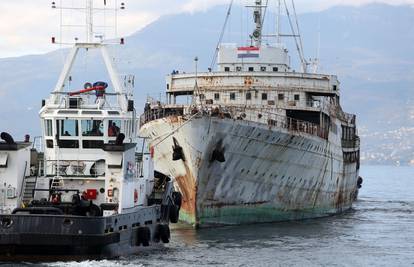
248,52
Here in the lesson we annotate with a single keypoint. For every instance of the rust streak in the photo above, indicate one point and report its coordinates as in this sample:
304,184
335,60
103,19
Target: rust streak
188,189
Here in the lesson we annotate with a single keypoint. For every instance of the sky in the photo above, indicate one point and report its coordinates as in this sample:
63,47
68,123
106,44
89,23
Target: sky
26,26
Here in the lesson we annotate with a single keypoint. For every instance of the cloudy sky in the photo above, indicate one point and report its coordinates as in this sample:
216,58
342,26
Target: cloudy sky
26,26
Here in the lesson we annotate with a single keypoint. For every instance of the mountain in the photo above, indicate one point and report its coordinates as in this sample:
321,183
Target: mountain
368,47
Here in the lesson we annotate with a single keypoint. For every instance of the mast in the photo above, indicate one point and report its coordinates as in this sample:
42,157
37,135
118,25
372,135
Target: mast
257,16
278,37
89,21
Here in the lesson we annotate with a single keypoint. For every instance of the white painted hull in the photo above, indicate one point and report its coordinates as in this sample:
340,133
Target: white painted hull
269,173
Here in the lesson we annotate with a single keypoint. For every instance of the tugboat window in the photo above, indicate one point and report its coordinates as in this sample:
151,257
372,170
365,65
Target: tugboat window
68,127
92,128
92,144
49,143
114,128
248,96
48,128
232,96
264,96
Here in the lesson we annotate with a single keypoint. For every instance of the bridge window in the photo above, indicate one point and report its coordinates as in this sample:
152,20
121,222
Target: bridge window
68,127
114,128
68,143
264,96
48,128
232,96
248,96
49,143
216,96
92,128
92,144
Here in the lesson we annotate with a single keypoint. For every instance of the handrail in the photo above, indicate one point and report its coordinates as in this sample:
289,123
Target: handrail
263,116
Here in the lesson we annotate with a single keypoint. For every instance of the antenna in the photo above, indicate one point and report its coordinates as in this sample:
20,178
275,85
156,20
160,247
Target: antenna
91,11
279,10
258,19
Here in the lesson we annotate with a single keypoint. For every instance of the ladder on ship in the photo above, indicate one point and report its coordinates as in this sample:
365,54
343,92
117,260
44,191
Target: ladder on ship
29,187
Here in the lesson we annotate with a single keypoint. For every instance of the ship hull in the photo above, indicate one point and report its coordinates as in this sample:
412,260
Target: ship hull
65,237
268,174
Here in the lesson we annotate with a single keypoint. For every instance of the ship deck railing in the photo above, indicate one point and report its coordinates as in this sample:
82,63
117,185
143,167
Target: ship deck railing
258,115
73,168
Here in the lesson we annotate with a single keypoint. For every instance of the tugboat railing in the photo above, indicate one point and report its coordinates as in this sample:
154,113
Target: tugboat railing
73,168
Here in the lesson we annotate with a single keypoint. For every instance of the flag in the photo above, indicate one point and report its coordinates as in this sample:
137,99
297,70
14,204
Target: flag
248,52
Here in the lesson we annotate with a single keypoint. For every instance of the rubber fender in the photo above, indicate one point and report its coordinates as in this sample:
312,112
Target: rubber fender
143,236
163,232
174,213
178,198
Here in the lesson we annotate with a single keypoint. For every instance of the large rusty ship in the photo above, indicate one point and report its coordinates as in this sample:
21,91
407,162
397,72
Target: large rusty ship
259,142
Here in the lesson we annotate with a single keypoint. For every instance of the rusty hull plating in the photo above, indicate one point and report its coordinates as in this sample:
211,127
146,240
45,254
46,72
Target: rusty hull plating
270,173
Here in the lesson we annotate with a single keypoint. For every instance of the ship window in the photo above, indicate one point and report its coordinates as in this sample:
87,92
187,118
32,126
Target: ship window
239,68
113,112
92,144
216,96
68,143
335,87
3,159
114,128
297,97
68,127
264,96
262,68
281,97
275,69
232,96
251,69
49,143
248,96
92,128
91,112
48,128
226,69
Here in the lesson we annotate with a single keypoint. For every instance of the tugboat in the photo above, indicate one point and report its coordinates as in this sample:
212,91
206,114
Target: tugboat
89,194
259,142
